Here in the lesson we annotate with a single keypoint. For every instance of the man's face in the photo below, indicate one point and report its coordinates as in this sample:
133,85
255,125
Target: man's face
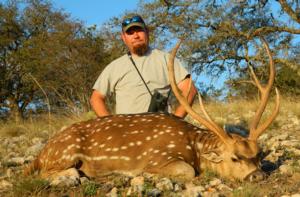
136,39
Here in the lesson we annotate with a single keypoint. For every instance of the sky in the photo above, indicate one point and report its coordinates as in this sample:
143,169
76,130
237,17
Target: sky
95,11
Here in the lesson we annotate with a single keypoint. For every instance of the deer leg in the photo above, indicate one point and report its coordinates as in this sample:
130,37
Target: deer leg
176,168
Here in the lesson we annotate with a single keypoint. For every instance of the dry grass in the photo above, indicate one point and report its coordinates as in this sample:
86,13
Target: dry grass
233,112
242,111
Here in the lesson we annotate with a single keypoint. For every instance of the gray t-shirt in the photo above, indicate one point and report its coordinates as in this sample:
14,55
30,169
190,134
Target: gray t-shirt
121,77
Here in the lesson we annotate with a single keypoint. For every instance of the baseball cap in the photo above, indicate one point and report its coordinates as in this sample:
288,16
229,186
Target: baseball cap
133,21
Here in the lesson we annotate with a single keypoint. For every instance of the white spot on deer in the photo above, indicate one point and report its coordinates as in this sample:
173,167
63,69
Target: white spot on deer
155,130
172,142
134,132
164,153
148,138
156,151
155,164
95,144
144,153
92,140
77,146
115,149
123,147
143,119
70,146
82,138
168,130
131,144
171,146
138,143
139,157
97,130
125,158
169,157
108,149
102,145
99,158
135,121
109,138
120,125
180,132
188,147
161,133
114,157
155,136
109,120
90,147
150,149
56,153
88,125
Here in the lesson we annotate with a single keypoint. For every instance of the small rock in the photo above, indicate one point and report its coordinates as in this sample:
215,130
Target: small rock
177,187
17,161
286,169
35,149
9,173
5,185
113,192
137,184
37,140
83,180
67,178
165,184
192,190
154,193
224,188
215,182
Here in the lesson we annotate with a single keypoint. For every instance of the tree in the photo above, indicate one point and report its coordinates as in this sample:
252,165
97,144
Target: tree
46,54
218,33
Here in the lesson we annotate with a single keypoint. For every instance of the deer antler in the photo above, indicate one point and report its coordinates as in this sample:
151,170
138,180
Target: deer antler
255,130
182,100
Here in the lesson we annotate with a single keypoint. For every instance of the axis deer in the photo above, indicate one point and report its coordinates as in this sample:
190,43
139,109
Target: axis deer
158,143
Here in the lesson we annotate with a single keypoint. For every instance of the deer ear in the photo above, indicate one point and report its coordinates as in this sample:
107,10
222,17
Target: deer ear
212,156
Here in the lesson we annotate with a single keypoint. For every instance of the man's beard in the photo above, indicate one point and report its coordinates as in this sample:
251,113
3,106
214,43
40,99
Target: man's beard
140,50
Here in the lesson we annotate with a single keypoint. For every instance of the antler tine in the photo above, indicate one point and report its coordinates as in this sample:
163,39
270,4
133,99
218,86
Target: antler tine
256,131
203,109
209,125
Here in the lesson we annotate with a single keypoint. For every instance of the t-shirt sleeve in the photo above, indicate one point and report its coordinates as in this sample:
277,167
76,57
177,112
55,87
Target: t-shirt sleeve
104,82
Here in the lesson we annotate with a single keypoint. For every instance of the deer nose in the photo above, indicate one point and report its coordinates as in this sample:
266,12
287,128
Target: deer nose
257,175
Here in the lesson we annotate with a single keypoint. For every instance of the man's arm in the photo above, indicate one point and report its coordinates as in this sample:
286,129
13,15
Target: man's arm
97,101
184,87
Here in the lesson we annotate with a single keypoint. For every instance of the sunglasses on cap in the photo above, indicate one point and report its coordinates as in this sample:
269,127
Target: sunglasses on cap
134,19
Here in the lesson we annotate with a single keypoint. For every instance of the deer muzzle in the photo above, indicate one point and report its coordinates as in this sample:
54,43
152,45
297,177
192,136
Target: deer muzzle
255,176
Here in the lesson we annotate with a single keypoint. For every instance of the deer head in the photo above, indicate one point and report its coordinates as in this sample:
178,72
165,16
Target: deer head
232,155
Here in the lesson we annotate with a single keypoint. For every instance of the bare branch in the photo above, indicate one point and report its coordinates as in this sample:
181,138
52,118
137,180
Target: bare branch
289,10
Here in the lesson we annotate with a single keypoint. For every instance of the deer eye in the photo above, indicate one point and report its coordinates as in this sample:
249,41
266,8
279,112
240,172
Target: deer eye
234,159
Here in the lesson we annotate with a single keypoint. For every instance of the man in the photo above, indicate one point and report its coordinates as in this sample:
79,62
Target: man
122,78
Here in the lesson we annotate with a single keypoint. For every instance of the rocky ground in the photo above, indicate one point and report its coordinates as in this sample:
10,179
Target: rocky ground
281,143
